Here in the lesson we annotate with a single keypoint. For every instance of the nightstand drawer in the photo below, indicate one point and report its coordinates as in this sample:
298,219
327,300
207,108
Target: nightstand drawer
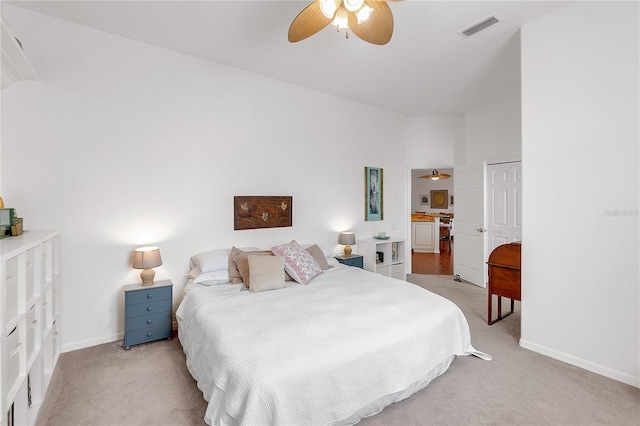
148,308
353,260
148,295
147,334
143,321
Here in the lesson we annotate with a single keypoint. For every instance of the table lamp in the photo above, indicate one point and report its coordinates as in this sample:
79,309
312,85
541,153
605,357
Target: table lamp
146,258
347,239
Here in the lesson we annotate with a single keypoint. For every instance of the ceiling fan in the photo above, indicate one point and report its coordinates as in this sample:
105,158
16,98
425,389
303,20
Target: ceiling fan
371,20
435,175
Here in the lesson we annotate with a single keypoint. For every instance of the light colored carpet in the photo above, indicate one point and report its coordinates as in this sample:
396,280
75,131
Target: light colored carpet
150,385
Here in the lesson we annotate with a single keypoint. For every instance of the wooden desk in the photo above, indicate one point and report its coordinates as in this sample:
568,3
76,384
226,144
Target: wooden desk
504,277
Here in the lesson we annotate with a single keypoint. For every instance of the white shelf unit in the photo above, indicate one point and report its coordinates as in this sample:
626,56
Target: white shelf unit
29,308
393,251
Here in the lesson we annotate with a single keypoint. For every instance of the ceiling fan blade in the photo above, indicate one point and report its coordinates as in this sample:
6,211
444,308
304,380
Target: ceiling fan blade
307,23
378,29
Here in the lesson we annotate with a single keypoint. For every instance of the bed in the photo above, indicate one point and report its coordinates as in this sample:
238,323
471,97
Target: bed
334,351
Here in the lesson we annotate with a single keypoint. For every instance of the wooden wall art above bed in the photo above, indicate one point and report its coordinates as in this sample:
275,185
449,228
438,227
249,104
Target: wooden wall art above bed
254,212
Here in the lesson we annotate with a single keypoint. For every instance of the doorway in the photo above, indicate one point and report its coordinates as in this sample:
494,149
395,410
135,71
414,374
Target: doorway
489,212
438,262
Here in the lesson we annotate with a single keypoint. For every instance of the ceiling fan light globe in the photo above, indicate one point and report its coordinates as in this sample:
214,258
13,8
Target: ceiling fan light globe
363,14
353,5
329,7
342,19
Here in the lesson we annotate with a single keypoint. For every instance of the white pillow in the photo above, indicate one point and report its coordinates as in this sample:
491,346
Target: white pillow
215,260
332,261
298,263
212,278
266,273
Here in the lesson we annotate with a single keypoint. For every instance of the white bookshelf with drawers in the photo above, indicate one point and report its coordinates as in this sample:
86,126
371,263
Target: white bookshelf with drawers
386,257
29,307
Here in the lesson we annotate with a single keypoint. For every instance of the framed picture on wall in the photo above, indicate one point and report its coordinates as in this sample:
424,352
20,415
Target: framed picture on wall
424,200
440,199
373,193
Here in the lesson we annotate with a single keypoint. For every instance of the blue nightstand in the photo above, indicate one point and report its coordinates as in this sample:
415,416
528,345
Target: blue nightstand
147,312
354,260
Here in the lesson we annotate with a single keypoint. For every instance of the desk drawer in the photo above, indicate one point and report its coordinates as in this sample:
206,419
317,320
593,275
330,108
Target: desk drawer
148,308
136,323
505,282
148,295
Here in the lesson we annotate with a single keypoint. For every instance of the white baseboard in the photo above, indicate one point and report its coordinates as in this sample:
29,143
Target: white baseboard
91,342
582,363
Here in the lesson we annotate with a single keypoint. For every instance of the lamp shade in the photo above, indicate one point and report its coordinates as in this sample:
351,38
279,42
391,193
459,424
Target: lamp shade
347,238
146,257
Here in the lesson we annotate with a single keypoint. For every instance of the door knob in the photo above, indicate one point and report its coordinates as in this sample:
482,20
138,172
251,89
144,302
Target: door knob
481,230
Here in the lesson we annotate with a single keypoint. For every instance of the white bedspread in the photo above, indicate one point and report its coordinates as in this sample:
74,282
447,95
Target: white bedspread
317,354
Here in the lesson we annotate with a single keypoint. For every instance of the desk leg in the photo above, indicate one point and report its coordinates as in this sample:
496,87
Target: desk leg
491,321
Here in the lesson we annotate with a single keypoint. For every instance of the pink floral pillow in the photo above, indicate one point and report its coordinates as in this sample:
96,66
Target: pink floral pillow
298,262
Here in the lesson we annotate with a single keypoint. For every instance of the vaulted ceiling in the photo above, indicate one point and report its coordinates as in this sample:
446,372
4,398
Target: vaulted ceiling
427,68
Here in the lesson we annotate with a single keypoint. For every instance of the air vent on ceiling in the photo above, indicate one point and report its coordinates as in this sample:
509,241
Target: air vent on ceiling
479,26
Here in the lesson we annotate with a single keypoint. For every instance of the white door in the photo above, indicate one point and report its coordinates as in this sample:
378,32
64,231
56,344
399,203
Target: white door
504,204
470,246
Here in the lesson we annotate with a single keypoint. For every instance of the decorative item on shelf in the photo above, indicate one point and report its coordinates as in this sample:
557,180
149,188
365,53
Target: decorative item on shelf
146,258
347,239
7,220
382,236
373,193
16,229
379,257
436,175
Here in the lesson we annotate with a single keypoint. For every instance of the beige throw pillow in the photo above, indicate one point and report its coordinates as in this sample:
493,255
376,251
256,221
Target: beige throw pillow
234,273
242,262
316,252
266,272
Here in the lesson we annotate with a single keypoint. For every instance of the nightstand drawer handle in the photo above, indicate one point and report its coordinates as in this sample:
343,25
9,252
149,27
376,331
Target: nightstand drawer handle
149,321
149,334
149,296
149,308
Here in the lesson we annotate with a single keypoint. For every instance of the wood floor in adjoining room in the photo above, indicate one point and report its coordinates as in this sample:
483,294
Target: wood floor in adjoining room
434,263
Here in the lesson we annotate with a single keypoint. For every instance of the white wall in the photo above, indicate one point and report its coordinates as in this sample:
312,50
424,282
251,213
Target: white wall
123,144
430,141
491,132
580,274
